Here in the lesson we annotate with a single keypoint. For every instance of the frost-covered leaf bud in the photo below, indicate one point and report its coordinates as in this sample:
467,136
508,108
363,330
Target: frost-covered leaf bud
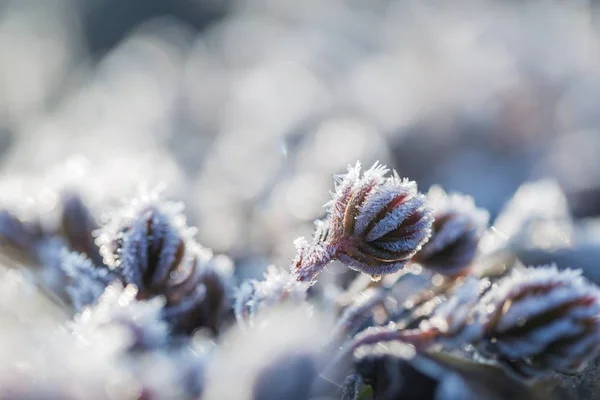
147,242
277,287
151,247
457,228
538,320
375,224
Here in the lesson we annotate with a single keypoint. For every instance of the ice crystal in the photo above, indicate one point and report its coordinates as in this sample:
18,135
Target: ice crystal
457,228
375,224
152,309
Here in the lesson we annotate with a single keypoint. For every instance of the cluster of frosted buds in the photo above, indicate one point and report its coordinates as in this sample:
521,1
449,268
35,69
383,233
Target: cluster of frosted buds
375,224
277,287
151,247
537,320
456,231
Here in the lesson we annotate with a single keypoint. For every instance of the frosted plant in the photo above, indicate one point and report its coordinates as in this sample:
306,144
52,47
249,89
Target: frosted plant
278,286
86,281
375,224
538,320
150,246
457,228
146,239
535,321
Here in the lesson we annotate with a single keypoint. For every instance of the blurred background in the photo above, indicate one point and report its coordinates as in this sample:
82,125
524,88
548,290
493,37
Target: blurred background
244,109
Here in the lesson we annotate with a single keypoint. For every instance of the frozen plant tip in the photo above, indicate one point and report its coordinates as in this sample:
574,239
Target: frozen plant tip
147,241
457,229
375,224
538,320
